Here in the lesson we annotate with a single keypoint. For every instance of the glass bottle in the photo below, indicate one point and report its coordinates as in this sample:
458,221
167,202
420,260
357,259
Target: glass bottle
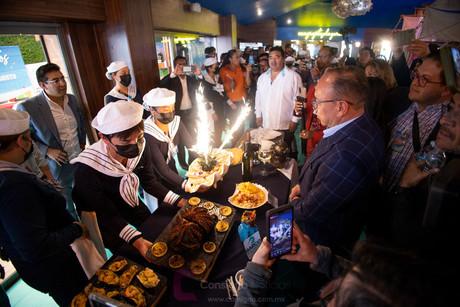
433,157
247,160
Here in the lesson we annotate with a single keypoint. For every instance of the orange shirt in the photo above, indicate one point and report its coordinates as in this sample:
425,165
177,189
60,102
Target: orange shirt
227,75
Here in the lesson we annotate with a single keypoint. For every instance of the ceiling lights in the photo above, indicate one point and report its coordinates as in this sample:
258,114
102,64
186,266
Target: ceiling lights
346,8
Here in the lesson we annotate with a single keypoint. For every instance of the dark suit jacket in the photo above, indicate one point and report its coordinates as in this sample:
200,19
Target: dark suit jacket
175,85
44,129
336,180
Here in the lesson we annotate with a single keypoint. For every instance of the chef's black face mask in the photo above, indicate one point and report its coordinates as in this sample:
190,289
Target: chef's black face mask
130,151
165,118
125,80
27,156
289,64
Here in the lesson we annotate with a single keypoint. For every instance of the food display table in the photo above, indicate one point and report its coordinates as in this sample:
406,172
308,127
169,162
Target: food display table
232,258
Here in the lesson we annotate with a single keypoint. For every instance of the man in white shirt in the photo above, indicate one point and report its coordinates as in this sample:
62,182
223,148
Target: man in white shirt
57,126
277,90
185,86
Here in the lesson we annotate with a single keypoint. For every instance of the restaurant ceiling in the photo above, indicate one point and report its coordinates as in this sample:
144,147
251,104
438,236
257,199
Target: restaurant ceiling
312,13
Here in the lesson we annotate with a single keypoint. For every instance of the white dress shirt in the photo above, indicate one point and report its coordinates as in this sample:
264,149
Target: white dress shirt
275,100
67,126
330,131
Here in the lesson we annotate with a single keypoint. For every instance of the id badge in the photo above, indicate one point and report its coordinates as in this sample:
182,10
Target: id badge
219,87
399,141
174,151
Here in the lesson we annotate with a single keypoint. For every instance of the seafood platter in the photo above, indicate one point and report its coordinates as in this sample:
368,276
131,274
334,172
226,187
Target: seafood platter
194,238
124,281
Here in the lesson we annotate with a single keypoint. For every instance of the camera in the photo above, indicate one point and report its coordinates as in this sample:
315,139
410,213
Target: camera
255,68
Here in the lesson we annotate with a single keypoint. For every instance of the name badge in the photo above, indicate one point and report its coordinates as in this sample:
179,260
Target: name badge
219,87
174,151
399,141
251,244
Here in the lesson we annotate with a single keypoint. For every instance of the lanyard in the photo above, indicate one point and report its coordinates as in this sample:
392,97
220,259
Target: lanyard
416,134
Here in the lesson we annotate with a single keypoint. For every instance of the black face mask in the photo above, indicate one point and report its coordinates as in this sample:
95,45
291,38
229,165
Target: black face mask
125,80
166,118
289,64
130,151
27,156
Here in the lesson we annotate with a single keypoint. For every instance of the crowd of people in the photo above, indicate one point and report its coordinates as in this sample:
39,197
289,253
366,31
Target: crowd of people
363,121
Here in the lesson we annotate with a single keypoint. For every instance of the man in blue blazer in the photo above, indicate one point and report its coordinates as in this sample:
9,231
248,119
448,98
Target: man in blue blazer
57,126
344,168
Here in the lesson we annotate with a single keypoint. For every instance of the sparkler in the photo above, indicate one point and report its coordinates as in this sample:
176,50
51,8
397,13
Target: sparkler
244,112
203,132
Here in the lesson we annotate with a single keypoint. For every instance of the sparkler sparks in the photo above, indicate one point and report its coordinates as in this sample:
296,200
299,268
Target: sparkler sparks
203,130
244,112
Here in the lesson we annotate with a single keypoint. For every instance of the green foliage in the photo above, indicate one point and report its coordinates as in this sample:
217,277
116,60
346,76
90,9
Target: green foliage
31,50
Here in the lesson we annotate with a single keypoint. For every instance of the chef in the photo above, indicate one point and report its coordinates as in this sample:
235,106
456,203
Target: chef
164,131
108,174
36,230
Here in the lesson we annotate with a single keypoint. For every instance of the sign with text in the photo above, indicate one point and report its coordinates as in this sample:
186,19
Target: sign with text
13,73
319,34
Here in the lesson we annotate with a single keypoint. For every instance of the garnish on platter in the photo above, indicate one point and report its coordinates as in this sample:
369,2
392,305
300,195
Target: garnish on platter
209,247
159,249
176,261
249,196
197,266
194,201
136,294
128,275
208,205
207,170
108,277
148,278
225,211
222,226
212,164
118,265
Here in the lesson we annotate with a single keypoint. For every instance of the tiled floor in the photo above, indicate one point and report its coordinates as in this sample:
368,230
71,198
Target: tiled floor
20,294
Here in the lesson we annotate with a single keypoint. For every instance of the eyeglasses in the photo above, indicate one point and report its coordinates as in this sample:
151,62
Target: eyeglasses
316,102
422,81
322,56
57,81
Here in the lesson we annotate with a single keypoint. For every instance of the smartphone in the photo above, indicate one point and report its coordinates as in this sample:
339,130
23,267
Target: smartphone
99,300
251,60
450,58
188,69
402,38
280,222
